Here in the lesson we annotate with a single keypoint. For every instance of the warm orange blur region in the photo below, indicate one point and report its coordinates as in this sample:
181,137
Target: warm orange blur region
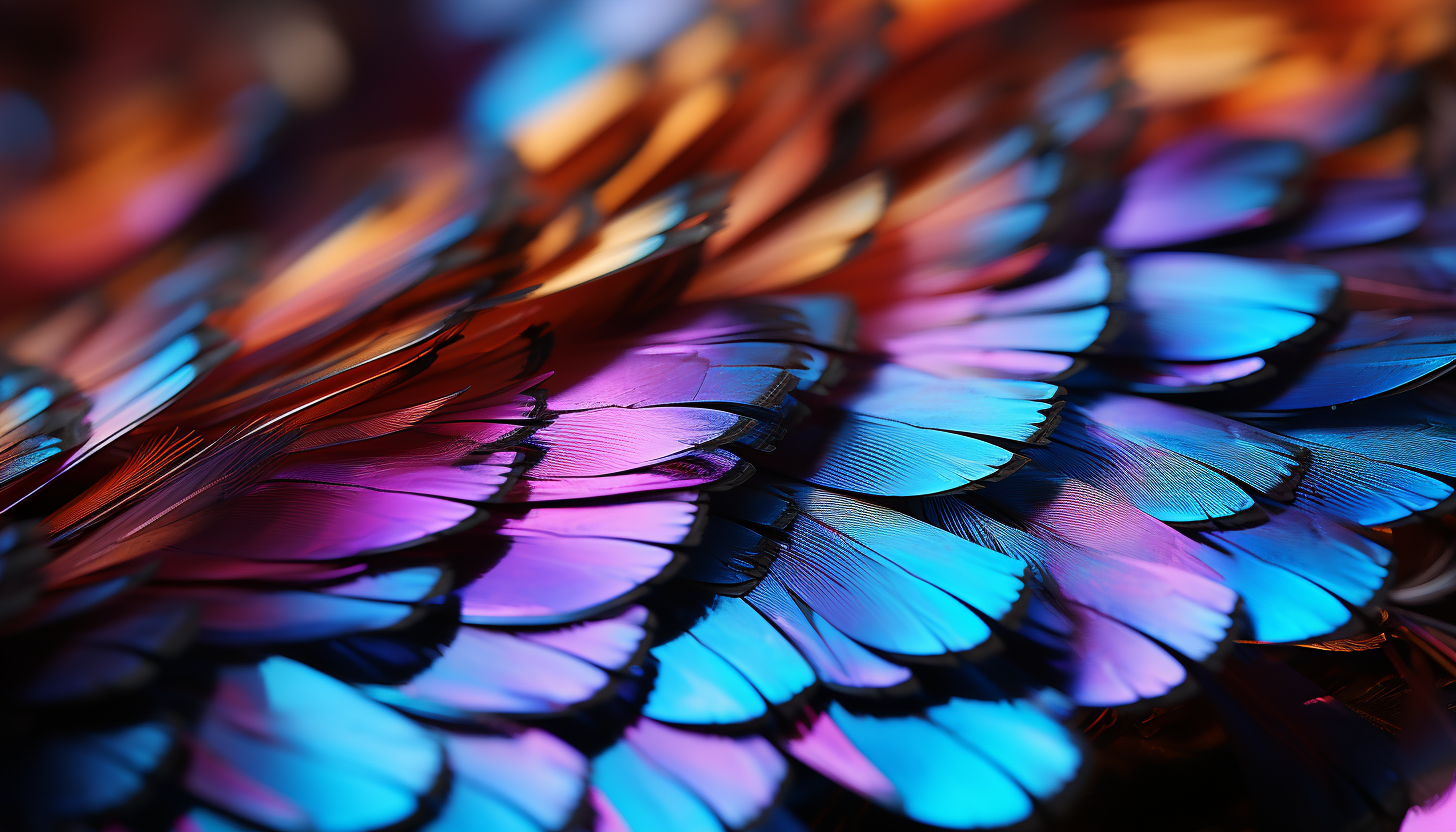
138,168
439,181
774,181
802,248
684,122
563,125
1265,68
1185,51
621,242
920,24
697,54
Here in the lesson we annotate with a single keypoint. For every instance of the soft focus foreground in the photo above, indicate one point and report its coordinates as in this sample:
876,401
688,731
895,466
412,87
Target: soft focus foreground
673,415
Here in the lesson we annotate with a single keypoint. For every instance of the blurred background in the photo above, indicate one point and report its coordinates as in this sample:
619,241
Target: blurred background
126,127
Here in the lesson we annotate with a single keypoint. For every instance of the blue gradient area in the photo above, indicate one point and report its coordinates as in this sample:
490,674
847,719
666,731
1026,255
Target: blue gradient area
28,454
987,580
871,455
873,599
1003,232
283,617
996,157
349,763
469,810
1165,485
1018,737
1212,307
1281,605
574,41
1263,461
208,821
648,798
1070,332
838,661
1075,98
26,405
940,779
696,686
1006,409
1366,491
1398,429
76,774
1190,277
155,378
964,520
1293,571
1351,375
531,72
735,631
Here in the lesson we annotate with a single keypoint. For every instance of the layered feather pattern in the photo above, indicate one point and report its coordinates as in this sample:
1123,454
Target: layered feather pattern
716,416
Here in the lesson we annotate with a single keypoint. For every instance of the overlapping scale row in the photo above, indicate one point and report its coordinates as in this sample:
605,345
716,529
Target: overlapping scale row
740,393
